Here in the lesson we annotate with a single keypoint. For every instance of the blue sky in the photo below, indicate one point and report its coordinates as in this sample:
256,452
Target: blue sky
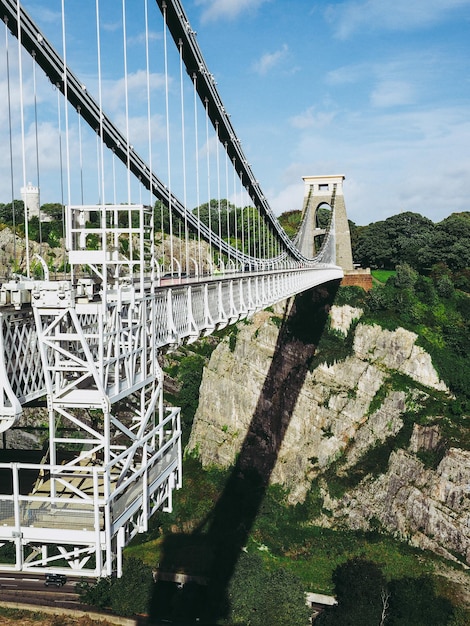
378,91
374,90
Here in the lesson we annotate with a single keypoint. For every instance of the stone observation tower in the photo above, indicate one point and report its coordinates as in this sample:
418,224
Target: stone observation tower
30,197
328,191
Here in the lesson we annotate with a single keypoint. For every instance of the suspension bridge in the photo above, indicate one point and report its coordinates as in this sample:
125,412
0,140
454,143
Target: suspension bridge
142,272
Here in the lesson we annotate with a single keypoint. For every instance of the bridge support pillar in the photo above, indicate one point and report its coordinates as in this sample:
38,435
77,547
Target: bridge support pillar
327,191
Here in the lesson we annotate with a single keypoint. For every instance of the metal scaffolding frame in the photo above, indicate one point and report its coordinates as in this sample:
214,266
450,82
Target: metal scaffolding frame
114,449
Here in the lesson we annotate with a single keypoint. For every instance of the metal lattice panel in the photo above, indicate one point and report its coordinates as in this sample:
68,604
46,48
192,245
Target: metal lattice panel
22,366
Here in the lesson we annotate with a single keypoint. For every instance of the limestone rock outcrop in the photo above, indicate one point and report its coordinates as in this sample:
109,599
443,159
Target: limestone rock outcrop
429,507
342,411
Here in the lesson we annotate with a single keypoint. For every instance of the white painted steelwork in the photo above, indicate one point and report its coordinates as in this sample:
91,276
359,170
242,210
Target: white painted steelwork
114,450
89,343
21,373
114,453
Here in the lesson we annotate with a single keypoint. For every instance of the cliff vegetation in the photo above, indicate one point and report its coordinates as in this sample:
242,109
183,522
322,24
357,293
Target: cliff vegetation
331,428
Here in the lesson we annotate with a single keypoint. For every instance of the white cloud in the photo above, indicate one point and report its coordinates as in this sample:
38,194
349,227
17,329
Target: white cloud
45,14
411,161
312,119
348,74
270,60
209,147
388,83
390,93
141,38
111,27
139,129
289,198
401,15
114,93
223,9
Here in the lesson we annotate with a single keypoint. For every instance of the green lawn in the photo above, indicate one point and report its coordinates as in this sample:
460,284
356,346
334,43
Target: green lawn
382,275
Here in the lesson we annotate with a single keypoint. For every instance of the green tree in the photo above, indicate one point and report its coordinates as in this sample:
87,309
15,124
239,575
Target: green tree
12,212
425,290
127,595
449,243
445,286
54,210
162,220
323,217
220,215
258,597
360,588
132,593
405,277
190,376
414,601
373,246
462,280
290,222
95,593
46,232
398,239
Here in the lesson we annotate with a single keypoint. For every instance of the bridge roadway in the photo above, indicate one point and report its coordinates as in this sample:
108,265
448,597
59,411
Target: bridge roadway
187,308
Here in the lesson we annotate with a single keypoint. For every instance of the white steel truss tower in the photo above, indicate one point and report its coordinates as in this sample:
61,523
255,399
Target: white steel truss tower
114,452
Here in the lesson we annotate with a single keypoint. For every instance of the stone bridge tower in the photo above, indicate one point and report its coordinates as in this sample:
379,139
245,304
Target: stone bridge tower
327,190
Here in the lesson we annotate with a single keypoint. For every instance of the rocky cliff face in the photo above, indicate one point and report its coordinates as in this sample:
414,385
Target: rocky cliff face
13,255
343,411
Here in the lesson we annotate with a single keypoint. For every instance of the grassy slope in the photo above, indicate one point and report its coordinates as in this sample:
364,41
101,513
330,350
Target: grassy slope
282,535
285,535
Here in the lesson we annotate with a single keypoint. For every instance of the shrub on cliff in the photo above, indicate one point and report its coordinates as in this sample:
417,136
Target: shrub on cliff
360,589
365,597
435,311
127,595
259,597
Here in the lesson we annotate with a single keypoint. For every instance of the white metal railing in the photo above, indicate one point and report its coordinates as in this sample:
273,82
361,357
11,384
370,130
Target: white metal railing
184,312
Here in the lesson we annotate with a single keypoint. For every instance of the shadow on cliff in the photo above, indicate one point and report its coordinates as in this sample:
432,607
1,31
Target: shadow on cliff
221,537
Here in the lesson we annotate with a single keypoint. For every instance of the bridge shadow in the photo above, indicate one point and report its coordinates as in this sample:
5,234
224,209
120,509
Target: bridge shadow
221,537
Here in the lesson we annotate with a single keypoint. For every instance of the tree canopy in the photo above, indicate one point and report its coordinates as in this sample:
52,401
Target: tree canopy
365,597
396,239
130,594
360,588
258,597
416,240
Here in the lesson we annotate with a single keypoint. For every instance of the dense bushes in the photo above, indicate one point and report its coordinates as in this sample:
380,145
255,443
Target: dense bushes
127,595
190,376
185,368
365,597
258,596
436,311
